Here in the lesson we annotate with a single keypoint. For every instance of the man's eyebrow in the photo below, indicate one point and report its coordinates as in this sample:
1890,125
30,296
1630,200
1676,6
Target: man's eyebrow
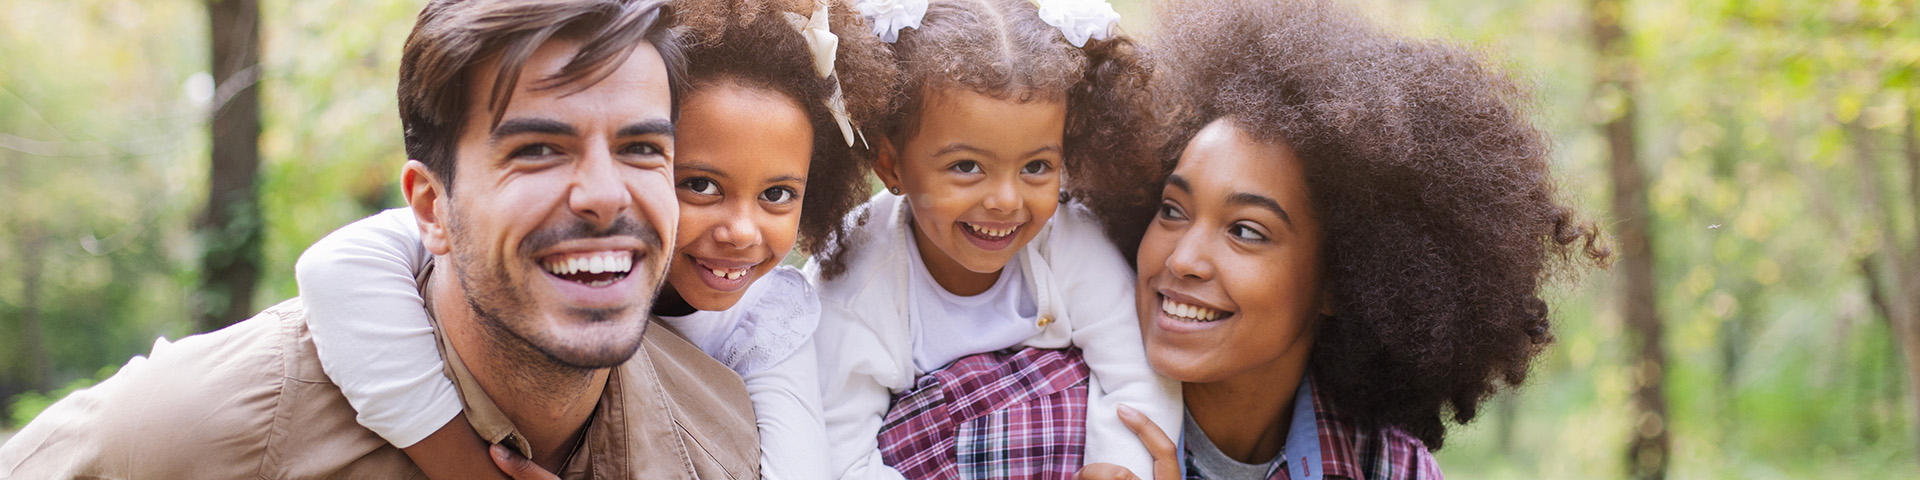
1249,199
649,127
519,126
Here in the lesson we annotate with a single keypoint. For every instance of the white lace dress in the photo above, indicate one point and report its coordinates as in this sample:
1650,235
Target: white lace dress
768,339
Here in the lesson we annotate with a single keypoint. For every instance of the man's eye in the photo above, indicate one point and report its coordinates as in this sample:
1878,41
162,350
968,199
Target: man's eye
641,148
701,186
536,150
966,166
778,195
1036,167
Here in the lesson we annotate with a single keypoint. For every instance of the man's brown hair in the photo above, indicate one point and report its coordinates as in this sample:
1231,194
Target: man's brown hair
453,37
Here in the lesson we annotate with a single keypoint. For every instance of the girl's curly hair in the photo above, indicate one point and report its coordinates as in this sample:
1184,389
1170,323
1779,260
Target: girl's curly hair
1001,48
1442,222
752,44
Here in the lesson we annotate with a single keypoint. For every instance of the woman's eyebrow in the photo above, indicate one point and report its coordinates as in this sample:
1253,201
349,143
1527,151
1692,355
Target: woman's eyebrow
1256,200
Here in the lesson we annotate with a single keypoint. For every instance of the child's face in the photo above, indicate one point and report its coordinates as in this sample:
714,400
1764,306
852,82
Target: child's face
740,175
1230,282
982,175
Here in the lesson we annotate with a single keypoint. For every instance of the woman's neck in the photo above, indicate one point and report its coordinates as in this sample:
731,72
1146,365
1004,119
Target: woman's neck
1249,415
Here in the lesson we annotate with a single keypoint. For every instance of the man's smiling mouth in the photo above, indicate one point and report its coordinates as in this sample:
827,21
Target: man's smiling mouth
593,269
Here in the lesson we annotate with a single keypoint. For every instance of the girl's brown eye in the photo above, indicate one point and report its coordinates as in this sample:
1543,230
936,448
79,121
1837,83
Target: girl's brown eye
966,166
701,186
1036,167
778,195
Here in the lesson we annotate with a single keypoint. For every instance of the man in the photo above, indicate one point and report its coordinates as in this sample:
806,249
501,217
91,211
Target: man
541,131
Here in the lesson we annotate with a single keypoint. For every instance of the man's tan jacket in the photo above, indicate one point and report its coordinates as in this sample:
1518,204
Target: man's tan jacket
250,401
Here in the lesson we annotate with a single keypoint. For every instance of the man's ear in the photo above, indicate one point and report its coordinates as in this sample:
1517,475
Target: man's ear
427,195
887,163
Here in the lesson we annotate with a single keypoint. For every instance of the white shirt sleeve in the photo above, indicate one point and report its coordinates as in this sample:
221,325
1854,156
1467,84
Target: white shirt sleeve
854,401
1099,295
786,405
370,327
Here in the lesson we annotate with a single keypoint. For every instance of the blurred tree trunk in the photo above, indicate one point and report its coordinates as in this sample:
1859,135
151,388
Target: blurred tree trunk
1648,447
1893,271
231,228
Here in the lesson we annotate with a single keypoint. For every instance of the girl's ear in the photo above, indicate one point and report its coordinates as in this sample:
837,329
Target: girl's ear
427,196
886,166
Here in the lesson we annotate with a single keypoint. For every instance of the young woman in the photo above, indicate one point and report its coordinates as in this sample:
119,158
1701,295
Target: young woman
976,323
1351,248
762,161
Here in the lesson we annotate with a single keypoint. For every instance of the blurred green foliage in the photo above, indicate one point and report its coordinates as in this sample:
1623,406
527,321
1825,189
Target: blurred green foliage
1780,366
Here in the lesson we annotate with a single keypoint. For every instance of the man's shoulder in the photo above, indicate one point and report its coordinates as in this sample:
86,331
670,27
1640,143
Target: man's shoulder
708,402
244,401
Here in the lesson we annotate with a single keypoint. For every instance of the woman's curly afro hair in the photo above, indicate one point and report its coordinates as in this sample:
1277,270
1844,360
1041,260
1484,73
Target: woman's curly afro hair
751,43
1442,222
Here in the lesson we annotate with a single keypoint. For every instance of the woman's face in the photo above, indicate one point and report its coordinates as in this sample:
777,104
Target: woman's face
981,174
740,173
1230,282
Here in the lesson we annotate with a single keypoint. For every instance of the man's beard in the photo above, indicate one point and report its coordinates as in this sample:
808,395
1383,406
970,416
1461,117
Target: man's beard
507,314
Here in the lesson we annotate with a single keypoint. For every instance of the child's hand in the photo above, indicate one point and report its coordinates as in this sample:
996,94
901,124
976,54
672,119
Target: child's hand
519,467
1166,460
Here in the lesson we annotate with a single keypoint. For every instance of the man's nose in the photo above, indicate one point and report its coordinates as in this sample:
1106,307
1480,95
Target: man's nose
599,193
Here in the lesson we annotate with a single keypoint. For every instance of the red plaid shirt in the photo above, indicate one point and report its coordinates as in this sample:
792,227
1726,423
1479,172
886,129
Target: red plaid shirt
1345,449
999,415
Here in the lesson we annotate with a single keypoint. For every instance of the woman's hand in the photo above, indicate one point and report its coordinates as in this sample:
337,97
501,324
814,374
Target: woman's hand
519,467
1166,457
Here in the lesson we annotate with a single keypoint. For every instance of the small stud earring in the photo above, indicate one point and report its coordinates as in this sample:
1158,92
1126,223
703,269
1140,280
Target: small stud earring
893,190
1064,197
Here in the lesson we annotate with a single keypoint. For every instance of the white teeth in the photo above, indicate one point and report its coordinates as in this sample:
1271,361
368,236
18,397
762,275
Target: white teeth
1189,312
600,262
728,273
990,231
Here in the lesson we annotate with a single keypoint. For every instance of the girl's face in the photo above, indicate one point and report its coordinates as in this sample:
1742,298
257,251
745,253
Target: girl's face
1230,282
740,173
982,175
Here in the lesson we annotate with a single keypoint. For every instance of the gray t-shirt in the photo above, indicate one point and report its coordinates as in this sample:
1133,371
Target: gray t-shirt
1216,465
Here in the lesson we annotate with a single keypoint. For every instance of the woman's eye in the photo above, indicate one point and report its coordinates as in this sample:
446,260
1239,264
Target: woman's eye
1036,167
536,150
1244,232
778,195
641,148
967,166
1170,212
701,186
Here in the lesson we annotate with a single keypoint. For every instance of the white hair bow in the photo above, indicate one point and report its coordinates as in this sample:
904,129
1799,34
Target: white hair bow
825,46
1080,19
888,17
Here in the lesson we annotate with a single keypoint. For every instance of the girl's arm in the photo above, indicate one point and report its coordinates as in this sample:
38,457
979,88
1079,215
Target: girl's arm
370,329
853,401
1099,299
786,405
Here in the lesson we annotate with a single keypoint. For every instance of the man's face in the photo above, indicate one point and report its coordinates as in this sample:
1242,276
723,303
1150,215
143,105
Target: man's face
559,217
